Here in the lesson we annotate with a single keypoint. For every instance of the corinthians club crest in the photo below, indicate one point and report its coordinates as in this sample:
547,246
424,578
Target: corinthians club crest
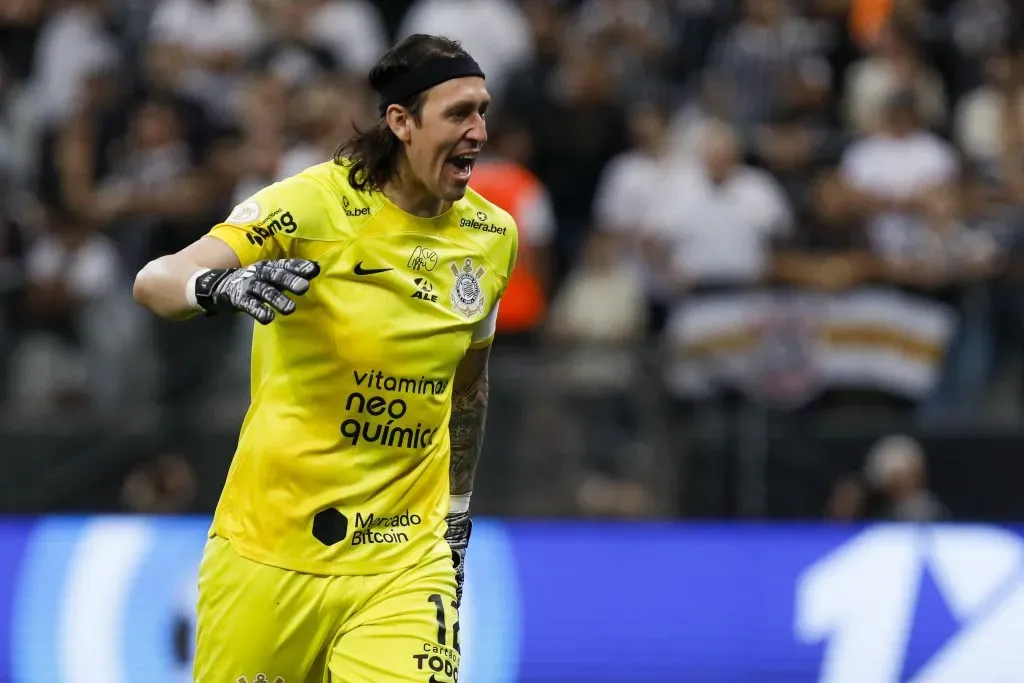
467,296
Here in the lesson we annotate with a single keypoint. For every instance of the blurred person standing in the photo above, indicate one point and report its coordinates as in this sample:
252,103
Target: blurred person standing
74,42
989,122
320,114
767,65
892,172
71,356
892,487
629,197
895,64
635,35
495,31
215,39
576,118
353,30
502,177
289,51
720,232
597,322
724,217
978,30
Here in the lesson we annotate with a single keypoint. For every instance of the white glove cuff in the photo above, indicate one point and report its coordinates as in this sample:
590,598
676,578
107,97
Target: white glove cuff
190,289
459,505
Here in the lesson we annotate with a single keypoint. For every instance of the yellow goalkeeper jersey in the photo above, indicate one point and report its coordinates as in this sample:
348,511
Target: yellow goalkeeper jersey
342,460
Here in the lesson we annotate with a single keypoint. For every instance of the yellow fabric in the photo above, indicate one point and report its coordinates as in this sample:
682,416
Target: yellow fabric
272,625
351,394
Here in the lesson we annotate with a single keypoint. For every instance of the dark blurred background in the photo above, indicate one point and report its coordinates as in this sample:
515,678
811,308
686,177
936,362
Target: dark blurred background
770,250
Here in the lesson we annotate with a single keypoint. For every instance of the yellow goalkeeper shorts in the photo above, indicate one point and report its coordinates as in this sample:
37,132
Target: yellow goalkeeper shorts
262,624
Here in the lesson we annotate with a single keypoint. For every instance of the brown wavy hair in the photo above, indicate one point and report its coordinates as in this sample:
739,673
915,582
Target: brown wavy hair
372,155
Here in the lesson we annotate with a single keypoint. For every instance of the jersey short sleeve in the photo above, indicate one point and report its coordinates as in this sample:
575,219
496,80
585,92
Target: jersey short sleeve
265,225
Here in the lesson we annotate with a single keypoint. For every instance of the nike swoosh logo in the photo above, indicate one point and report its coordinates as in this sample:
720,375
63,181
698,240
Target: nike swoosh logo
359,270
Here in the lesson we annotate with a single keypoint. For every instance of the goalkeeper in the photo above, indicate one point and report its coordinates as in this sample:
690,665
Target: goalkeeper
338,544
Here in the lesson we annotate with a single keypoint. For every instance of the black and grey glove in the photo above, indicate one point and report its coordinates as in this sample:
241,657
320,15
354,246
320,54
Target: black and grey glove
257,290
460,527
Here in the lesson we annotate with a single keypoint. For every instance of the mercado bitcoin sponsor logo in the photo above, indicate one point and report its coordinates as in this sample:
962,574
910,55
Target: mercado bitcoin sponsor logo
377,410
371,529
480,222
278,221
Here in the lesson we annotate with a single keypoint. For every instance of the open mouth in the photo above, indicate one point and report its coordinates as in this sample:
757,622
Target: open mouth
461,165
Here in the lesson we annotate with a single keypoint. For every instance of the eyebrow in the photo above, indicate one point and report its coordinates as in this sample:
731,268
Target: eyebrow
467,104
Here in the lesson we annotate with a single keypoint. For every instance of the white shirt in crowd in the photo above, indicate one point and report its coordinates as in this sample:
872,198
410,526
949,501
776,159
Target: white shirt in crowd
722,233
627,203
352,30
72,47
979,124
91,271
495,32
205,28
898,168
872,81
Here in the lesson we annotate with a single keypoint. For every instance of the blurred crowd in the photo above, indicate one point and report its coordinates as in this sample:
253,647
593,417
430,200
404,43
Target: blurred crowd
797,202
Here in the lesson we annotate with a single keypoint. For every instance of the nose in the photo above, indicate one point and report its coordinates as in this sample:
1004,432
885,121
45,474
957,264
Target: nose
477,133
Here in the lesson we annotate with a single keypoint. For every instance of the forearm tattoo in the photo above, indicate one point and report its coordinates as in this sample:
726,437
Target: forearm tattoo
469,410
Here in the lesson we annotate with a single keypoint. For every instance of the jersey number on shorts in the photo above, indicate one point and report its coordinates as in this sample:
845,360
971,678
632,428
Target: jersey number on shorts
442,629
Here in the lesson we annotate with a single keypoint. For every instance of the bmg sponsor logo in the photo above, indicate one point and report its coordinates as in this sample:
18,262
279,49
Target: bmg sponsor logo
279,221
372,530
481,223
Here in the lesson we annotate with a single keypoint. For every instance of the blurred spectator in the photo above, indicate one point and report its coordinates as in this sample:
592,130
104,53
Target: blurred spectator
723,219
353,30
892,173
73,44
596,321
213,39
631,195
72,355
990,120
495,32
166,485
599,312
323,114
633,33
894,486
142,187
977,29
289,52
577,121
769,64
894,65
501,175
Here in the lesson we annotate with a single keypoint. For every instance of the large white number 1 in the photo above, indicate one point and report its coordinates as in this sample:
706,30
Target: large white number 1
861,600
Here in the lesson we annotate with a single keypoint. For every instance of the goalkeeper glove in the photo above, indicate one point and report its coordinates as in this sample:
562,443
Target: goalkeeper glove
460,526
256,290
